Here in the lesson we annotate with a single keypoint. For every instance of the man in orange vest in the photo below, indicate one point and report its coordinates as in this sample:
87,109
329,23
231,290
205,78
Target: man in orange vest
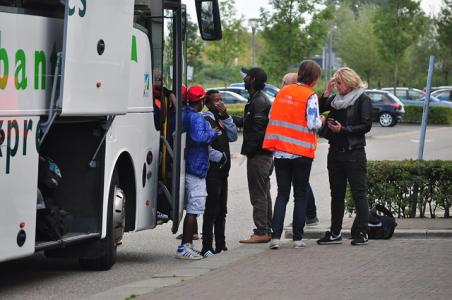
291,135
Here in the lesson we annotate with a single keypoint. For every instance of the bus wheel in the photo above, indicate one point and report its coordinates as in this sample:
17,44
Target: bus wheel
115,230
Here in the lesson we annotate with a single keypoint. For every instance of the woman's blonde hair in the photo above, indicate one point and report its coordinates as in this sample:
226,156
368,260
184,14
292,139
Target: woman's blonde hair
350,78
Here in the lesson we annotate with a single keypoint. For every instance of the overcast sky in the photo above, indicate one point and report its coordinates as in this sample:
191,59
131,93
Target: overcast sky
250,8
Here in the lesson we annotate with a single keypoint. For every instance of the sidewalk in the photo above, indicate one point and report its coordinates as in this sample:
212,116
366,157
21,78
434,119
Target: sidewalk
388,269
417,228
416,263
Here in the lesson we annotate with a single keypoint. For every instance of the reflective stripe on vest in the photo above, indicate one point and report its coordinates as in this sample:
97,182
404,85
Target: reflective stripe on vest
290,125
289,140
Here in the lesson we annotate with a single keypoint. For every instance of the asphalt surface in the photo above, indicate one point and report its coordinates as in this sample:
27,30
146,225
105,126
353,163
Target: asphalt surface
148,253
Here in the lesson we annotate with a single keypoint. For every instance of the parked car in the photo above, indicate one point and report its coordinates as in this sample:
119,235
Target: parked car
269,89
387,109
443,94
435,88
404,93
232,98
413,96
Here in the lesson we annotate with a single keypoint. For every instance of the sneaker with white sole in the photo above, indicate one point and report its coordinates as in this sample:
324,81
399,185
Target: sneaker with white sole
299,244
330,238
186,252
361,239
275,244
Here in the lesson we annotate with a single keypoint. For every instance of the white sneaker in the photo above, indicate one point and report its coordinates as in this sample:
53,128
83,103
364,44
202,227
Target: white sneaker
185,252
275,244
299,244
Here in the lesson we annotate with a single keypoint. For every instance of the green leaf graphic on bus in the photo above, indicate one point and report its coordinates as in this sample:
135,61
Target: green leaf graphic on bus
81,8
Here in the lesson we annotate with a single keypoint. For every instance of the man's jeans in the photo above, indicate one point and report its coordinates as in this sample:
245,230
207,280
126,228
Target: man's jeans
259,169
348,165
291,172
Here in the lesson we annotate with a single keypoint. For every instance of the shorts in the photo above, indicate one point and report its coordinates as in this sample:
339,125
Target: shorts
195,194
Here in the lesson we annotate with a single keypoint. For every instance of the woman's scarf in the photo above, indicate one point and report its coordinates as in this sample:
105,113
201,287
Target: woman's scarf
344,101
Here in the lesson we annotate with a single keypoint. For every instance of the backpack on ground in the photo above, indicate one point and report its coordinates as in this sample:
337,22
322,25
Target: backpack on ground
381,226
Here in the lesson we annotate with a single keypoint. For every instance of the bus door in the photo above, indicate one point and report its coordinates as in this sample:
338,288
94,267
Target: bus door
96,57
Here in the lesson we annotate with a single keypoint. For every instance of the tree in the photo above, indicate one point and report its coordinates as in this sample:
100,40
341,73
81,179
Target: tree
356,43
231,45
289,37
194,45
398,24
444,25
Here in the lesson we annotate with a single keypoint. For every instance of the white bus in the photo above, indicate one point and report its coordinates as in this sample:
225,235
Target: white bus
76,102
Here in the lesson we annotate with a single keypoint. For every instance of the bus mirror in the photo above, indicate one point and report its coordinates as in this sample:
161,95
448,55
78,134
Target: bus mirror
209,19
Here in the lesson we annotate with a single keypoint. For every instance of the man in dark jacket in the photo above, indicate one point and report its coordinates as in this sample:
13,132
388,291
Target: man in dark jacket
259,161
217,176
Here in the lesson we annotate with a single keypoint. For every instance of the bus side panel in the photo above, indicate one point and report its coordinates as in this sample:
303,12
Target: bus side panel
18,186
140,79
135,134
28,47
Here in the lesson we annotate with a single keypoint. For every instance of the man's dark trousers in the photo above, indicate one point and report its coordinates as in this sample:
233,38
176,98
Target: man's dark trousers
216,210
259,169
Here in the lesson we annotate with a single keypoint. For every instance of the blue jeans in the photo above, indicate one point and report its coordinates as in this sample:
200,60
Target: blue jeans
291,172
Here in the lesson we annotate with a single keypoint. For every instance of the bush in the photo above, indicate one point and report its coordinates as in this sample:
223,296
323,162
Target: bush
409,187
436,115
235,109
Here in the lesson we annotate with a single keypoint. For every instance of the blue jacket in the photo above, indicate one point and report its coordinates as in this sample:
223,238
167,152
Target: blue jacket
199,136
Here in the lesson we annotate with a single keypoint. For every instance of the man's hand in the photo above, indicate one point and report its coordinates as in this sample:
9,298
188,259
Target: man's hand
221,108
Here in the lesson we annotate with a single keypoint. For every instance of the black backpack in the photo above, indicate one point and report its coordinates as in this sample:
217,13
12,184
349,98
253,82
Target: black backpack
380,226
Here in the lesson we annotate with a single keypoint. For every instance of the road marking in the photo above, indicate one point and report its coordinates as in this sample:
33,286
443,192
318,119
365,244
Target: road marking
417,141
388,136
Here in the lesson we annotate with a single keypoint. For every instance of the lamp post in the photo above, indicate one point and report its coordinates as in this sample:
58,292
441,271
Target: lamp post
253,24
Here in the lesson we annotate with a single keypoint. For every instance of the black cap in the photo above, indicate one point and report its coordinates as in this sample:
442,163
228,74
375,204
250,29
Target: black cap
256,73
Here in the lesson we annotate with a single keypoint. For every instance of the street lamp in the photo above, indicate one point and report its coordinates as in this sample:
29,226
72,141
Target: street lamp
253,24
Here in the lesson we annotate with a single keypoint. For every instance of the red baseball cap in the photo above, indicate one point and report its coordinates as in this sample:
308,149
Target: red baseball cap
196,93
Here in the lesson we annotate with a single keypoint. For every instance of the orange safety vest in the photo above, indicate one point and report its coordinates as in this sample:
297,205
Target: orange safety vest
287,128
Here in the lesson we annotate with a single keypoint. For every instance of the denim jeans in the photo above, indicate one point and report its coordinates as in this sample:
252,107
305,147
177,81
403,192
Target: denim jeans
291,172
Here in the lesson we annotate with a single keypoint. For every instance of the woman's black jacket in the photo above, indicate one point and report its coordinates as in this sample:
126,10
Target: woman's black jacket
358,120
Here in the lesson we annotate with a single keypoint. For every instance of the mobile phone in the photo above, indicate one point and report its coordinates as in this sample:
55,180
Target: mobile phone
331,120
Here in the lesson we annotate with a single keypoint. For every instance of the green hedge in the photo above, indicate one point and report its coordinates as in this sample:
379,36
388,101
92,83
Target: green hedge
436,115
235,109
409,188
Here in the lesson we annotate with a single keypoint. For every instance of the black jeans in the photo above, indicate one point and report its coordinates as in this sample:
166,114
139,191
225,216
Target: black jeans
348,165
311,210
291,172
215,212
259,168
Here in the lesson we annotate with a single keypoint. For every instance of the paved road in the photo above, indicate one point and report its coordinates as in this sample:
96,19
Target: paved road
147,253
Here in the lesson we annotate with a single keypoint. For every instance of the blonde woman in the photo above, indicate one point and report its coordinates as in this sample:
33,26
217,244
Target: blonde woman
349,120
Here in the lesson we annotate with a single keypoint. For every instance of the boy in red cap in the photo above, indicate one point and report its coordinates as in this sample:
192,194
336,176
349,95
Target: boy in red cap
199,136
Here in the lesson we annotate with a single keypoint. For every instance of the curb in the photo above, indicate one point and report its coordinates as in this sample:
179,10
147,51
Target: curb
185,271
398,233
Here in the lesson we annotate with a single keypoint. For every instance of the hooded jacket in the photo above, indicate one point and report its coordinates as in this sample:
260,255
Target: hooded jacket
199,136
